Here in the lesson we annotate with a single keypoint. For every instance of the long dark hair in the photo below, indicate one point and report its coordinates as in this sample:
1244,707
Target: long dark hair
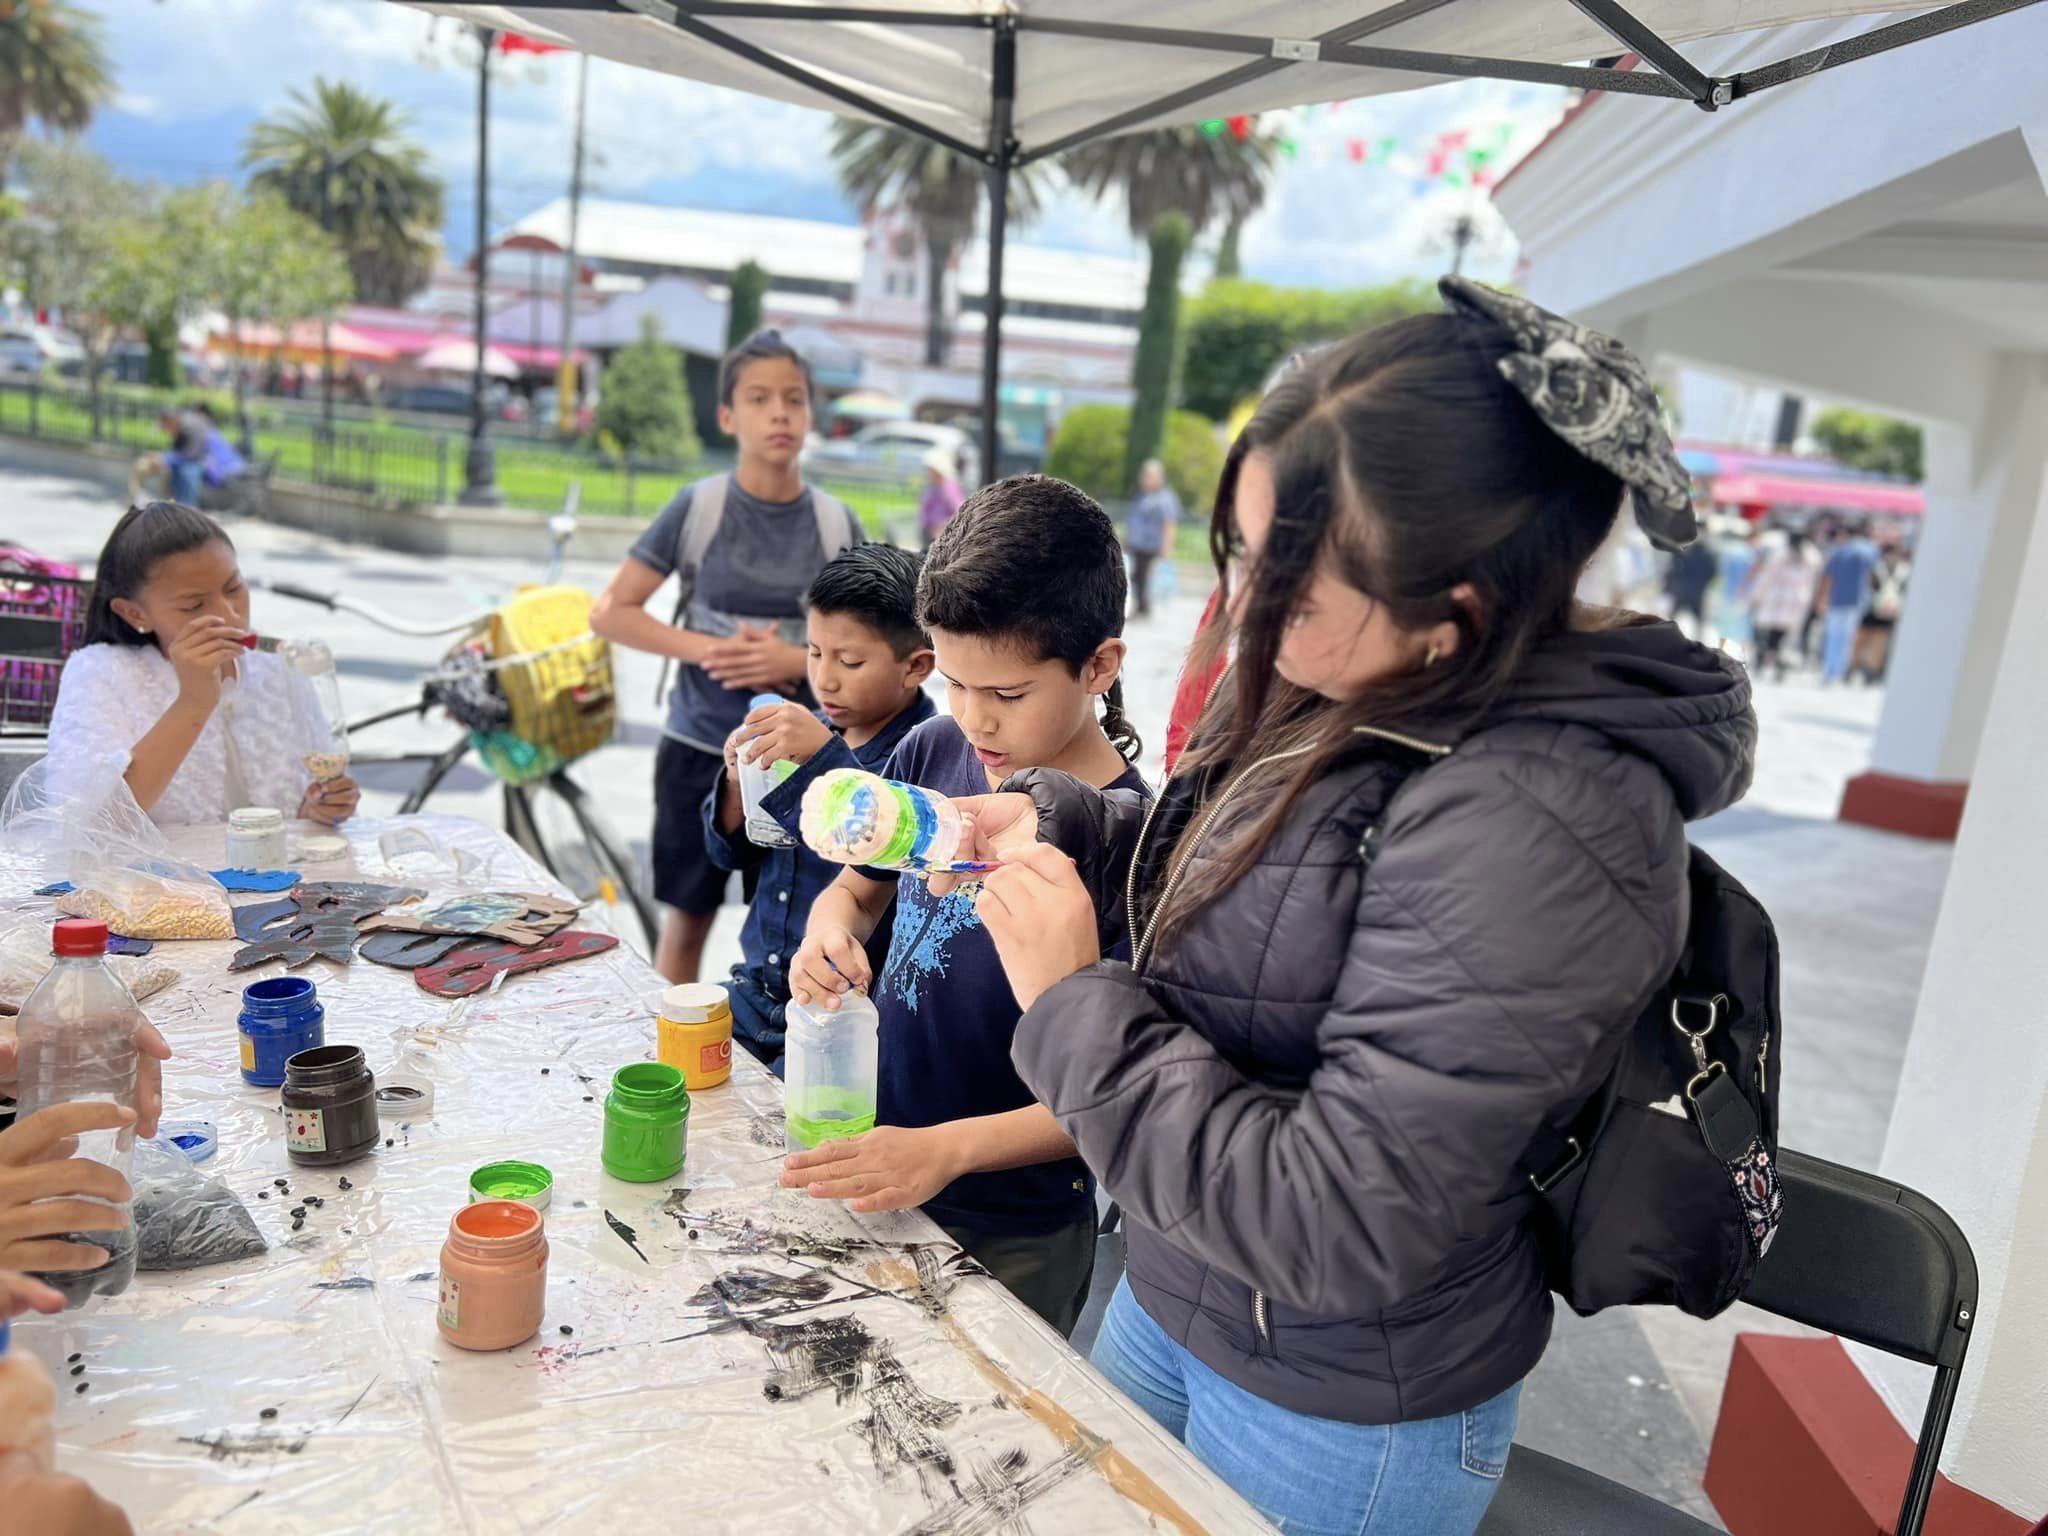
145,535
1406,462
1034,561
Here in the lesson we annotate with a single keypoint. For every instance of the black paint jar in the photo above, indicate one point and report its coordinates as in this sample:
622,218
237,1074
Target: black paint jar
330,1106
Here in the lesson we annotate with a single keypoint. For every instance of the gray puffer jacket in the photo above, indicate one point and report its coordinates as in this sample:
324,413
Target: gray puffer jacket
1312,1106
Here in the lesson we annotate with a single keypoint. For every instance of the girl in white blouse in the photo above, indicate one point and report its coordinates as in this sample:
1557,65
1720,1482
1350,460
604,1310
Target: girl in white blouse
164,690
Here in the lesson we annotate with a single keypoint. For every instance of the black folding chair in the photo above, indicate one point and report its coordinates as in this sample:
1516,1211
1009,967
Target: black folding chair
1857,1256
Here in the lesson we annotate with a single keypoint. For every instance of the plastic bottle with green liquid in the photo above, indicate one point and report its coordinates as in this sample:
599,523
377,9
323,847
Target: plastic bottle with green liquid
830,1063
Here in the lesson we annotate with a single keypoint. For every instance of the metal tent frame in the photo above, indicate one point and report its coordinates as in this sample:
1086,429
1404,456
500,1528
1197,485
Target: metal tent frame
1668,75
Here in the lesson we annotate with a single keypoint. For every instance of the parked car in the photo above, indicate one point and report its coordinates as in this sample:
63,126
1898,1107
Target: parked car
27,350
893,450
453,400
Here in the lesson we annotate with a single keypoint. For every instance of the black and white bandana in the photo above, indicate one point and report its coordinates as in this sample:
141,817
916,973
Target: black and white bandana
1592,392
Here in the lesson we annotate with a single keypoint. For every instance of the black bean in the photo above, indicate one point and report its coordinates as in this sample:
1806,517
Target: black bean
74,1359
692,1234
298,1213
588,1099
567,1330
390,1141
262,1194
78,1370
543,1071
346,1185
270,1413
84,1386
298,1223
280,1183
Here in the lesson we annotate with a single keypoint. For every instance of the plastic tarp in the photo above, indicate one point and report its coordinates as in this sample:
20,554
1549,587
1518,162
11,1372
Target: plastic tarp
718,1354
941,76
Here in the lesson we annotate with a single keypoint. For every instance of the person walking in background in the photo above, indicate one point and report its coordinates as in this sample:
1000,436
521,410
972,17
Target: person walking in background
1692,573
1786,578
1847,582
1148,532
1887,601
1736,551
942,494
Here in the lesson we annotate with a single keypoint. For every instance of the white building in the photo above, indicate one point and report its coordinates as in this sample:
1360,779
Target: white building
1069,326
1878,235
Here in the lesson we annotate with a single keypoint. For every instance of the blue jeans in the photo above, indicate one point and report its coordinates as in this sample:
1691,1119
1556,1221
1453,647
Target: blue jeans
187,481
1839,645
1310,1476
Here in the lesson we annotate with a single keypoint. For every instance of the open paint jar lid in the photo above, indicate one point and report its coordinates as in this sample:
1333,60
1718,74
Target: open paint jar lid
402,1096
527,1183
322,848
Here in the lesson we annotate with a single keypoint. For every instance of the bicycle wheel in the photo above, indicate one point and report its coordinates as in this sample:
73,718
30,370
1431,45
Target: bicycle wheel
580,850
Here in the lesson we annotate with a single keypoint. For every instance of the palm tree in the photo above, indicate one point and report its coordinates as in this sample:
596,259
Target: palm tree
881,167
343,159
53,70
1167,176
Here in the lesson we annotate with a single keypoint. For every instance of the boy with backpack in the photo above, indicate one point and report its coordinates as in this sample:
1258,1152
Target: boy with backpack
869,658
744,548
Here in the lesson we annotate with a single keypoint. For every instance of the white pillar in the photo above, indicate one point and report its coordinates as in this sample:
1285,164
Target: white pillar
1970,1127
1984,487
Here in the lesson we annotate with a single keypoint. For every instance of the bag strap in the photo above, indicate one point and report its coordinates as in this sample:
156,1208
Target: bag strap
701,520
835,524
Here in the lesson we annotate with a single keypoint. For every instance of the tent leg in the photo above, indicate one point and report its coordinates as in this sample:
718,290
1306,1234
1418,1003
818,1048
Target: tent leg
1002,155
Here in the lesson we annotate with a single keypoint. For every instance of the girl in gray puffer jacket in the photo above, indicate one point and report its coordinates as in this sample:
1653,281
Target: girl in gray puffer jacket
1313,1089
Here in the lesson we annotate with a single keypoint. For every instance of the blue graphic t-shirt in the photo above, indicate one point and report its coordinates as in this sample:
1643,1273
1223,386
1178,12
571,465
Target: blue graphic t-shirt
948,1016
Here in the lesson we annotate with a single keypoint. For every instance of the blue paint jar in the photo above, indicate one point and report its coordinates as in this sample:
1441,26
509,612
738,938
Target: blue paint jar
280,1018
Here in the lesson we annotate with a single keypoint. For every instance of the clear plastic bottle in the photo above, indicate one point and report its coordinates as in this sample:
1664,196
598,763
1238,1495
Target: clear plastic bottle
830,1063
77,1044
756,779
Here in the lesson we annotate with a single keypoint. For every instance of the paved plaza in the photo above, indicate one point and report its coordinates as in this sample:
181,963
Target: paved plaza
1631,1394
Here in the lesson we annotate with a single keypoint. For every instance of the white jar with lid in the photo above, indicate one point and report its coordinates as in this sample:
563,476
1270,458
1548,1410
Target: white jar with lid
256,838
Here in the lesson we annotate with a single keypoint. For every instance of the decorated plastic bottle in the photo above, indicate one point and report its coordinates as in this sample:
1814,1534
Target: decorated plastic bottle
853,817
831,1060
756,779
77,1044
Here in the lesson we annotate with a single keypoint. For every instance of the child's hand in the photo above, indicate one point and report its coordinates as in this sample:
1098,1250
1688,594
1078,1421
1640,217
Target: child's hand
203,650
891,1168
830,962
57,1506
46,1195
778,731
753,659
330,802
1041,918
995,825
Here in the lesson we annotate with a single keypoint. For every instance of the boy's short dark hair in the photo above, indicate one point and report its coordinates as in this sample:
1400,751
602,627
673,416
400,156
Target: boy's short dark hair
762,346
876,584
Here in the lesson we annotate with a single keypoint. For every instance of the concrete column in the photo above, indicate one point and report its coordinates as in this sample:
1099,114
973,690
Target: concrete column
1985,484
1970,1127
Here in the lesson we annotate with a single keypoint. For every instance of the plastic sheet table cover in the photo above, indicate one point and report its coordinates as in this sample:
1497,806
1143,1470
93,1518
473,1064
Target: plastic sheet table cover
718,1354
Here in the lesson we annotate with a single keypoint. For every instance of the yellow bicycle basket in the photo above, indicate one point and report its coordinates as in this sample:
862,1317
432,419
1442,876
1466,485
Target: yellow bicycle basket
557,675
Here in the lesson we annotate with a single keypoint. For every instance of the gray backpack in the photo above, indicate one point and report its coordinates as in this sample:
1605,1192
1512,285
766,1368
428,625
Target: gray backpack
700,526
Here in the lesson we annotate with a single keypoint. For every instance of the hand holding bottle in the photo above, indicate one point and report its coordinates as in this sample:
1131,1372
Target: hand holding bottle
45,1193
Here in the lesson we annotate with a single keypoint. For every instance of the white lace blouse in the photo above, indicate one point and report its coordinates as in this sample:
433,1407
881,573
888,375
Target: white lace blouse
113,695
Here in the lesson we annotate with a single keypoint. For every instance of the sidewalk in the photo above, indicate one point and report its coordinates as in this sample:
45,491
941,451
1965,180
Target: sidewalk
1630,1394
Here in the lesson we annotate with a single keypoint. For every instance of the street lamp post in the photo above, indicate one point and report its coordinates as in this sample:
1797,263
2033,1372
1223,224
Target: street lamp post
480,467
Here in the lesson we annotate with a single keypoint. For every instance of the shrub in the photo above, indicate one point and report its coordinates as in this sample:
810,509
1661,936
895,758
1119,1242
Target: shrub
1088,449
1236,332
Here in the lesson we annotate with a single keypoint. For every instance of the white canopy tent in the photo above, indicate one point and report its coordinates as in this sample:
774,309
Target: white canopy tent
1007,82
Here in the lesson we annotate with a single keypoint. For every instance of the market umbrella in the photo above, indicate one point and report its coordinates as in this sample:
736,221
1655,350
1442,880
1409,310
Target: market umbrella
460,357
1007,82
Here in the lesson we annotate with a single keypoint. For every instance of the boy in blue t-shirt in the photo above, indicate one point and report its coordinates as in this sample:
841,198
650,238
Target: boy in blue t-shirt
867,662
1023,594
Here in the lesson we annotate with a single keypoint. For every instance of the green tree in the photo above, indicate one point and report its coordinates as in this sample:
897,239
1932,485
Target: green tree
272,267
645,405
1883,445
743,311
1185,172
1238,332
344,160
882,167
54,70
1229,260
1154,369
1093,440
61,254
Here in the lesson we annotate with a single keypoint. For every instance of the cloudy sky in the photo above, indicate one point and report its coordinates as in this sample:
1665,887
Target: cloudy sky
192,79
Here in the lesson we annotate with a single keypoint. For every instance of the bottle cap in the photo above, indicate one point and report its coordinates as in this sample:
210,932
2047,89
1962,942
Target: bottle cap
195,1138
256,818
764,701
694,1002
79,936
403,1096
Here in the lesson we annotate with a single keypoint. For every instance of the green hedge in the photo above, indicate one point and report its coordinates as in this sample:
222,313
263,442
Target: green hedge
1088,449
1237,331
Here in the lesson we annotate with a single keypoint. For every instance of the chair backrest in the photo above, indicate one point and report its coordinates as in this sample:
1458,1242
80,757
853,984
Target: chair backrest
1870,1260
1873,1261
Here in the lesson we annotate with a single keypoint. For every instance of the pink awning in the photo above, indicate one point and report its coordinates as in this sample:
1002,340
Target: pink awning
304,338
1827,495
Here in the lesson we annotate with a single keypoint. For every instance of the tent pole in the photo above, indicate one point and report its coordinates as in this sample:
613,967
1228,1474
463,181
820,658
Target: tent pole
1002,155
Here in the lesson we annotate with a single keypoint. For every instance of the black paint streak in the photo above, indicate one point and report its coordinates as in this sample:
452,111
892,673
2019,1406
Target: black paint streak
352,1283
223,1445
1000,1490
425,1274
839,1354
352,1407
742,1287
626,1234
241,1506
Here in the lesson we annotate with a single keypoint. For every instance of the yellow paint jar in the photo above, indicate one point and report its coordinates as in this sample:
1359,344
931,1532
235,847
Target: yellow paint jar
694,1033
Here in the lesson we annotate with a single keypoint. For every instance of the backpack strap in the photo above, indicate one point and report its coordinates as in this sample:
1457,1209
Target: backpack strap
835,523
701,520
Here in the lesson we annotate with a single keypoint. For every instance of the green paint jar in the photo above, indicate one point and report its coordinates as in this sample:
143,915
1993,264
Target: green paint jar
646,1116
526,1183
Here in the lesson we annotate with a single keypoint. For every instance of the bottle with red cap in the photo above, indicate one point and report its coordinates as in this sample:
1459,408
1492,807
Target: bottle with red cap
77,1044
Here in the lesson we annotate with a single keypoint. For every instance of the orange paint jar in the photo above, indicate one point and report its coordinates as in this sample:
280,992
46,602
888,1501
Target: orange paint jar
494,1275
694,1033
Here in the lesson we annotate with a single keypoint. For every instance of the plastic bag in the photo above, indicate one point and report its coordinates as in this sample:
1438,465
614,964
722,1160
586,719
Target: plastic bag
90,831
25,958
183,1219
